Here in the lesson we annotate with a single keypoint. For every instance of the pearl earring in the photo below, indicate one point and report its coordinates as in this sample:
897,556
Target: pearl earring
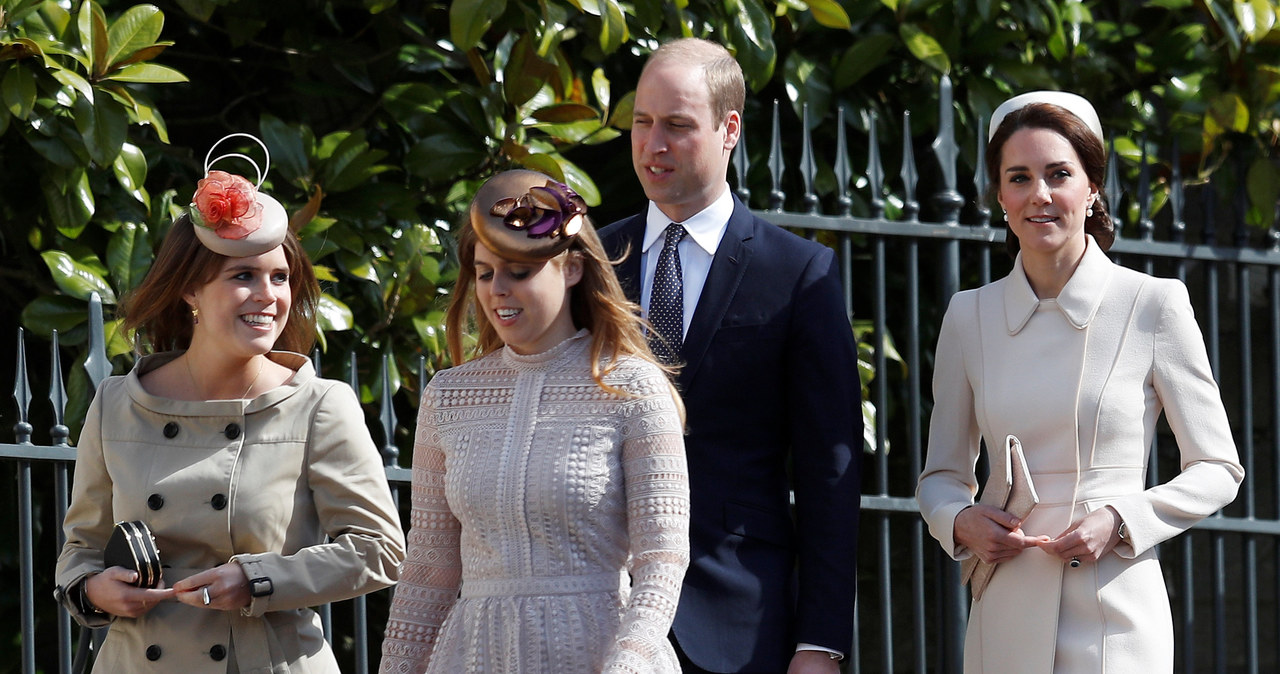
1089,212
1006,216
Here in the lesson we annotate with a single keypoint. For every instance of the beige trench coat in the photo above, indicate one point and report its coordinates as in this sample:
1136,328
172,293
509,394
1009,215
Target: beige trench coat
1081,379
262,482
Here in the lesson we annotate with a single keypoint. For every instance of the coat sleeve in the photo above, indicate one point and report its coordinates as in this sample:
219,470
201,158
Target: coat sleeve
89,520
353,505
432,572
824,411
1210,467
948,483
656,479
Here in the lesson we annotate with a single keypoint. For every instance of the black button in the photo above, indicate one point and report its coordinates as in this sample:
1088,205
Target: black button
219,501
153,652
155,501
171,429
232,431
217,652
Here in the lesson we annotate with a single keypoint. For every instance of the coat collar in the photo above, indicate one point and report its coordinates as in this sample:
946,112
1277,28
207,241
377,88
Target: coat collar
300,364
1080,297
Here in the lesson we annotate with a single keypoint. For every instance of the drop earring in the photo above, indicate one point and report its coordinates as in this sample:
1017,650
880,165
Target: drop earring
195,316
1006,216
1089,212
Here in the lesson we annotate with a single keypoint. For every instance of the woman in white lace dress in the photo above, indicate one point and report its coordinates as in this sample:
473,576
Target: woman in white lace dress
550,496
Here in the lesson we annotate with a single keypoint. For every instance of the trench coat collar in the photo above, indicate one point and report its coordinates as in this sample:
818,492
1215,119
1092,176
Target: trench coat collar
1080,297
303,372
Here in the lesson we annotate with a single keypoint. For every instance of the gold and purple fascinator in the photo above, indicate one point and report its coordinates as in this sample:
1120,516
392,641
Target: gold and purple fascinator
526,216
232,217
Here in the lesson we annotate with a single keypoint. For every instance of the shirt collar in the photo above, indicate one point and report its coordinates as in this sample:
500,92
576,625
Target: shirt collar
706,228
1078,301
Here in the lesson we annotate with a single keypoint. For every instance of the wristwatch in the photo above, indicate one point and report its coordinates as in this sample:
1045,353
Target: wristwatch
1123,531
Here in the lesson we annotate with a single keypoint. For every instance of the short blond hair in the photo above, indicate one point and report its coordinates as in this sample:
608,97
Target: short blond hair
723,75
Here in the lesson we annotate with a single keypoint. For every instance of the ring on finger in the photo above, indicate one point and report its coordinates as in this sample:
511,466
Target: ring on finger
204,595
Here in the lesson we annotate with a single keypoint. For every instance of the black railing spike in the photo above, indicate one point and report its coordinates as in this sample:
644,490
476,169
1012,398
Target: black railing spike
353,377
422,374
96,364
843,170
57,396
315,360
1273,234
875,168
22,393
808,166
741,166
944,144
1146,228
1177,200
1241,202
776,195
910,207
1112,188
1209,234
390,453
980,180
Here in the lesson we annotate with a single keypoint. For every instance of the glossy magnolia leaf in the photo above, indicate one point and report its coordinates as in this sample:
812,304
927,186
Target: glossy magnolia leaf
288,148
92,24
104,126
829,13
1227,112
567,172
75,279
866,54
129,255
750,31
1263,182
19,90
443,156
924,47
150,73
144,54
526,73
137,28
621,118
70,202
613,29
74,80
54,312
1255,18
469,20
587,132
565,113
130,168
332,314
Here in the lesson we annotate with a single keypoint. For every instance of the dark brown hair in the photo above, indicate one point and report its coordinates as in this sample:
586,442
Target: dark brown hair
1088,147
161,318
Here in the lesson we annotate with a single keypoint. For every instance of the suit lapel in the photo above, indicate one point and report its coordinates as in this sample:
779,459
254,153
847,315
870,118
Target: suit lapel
629,239
727,268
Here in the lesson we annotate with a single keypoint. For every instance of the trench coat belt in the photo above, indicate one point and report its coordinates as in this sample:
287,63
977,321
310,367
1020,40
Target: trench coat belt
1096,483
532,586
249,637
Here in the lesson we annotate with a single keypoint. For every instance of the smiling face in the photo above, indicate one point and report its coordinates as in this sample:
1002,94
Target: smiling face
527,303
1045,192
245,307
679,149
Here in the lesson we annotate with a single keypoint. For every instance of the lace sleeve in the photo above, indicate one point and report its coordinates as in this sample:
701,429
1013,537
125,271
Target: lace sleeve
432,571
657,484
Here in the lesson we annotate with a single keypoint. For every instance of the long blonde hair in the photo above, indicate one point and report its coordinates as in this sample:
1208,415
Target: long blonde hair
596,303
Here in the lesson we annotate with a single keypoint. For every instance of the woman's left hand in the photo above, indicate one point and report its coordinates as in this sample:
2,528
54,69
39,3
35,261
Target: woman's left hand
1087,540
227,587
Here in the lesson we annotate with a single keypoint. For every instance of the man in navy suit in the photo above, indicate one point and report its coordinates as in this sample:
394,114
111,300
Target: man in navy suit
769,379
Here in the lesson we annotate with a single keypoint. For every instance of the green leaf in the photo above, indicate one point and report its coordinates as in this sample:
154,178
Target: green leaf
600,86
830,14
201,10
92,24
54,312
288,148
332,314
1264,188
750,30
1227,112
70,201
564,113
443,156
924,47
613,29
469,20
621,117
130,168
129,254
866,54
137,28
19,89
73,79
104,126
75,279
525,73
149,73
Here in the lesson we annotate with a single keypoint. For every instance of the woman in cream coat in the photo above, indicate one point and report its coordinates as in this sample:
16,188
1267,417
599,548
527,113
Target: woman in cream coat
237,457
1077,357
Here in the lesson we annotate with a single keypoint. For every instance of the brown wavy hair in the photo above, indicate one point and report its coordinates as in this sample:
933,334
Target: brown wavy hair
1093,158
161,319
596,302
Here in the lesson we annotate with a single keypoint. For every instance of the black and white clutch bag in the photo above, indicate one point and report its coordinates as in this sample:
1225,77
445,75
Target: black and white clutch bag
134,547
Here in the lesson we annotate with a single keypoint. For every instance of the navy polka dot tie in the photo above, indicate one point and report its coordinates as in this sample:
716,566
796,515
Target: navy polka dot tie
666,300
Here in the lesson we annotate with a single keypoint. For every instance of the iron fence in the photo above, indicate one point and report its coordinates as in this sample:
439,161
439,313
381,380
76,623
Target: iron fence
899,272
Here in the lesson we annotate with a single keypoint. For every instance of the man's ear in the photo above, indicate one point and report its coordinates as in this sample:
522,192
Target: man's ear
732,130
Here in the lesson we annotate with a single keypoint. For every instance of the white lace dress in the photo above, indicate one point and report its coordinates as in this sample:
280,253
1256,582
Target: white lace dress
550,520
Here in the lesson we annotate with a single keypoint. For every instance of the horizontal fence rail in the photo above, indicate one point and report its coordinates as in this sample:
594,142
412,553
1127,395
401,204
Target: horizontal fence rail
898,272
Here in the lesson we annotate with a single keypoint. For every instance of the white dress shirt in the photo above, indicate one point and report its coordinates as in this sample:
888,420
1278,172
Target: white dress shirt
697,249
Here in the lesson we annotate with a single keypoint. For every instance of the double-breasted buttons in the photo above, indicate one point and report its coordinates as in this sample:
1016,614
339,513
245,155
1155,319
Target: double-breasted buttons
232,431
219,501
171,430
155,501
153,652
218,652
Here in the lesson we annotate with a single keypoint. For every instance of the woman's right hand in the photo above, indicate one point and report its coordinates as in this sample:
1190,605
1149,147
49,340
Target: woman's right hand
991,534
113,591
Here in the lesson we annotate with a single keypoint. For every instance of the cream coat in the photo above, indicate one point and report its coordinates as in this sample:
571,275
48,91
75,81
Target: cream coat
262,482
1081,380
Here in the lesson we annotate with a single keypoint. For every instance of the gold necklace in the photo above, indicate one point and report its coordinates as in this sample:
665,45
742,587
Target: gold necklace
186,359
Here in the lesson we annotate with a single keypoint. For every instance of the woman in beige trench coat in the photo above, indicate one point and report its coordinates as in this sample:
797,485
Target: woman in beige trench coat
235,455
1077,357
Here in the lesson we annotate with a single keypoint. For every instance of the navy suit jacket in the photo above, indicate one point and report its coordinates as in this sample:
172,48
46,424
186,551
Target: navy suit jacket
774,402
